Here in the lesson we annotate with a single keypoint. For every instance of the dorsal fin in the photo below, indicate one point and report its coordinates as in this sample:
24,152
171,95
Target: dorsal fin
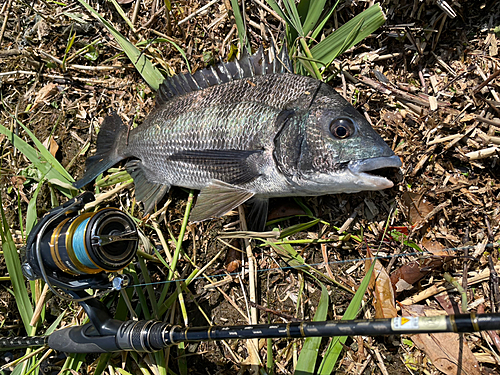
246,67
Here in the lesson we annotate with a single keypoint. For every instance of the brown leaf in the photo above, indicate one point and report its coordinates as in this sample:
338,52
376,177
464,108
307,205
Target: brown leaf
44,94
383,293
233,257
417,207
51,145
434,247
447,351
412,272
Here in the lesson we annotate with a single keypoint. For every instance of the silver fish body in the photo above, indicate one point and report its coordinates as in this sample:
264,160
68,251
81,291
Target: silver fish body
242,130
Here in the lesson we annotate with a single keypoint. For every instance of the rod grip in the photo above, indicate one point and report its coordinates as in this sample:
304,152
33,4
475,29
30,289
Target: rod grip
82,339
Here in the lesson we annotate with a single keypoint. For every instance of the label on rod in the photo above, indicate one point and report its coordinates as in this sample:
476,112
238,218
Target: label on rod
426,323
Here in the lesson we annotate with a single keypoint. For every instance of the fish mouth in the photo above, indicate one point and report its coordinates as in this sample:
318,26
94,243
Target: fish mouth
376,171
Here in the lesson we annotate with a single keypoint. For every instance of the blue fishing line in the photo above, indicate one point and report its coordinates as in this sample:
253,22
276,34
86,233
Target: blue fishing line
79,245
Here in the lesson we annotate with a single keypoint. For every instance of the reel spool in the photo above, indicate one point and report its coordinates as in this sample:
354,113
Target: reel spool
75,251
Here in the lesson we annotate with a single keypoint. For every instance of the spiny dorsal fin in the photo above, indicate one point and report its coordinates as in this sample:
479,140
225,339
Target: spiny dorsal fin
246,67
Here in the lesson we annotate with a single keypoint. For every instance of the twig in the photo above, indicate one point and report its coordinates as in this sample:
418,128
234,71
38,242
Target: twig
136,11
494,285
380,362
253,344
201,10
494,121
274,312
39,306
444,65
153,17
441,287
6,18
270,11
385,89
431,214
351,218
486,81
444,139
483,154
325,258
101,197
460,289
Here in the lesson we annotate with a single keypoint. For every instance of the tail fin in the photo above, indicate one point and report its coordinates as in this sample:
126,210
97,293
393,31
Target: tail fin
111,139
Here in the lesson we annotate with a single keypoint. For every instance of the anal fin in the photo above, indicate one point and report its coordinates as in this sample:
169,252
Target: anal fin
147,192
216,199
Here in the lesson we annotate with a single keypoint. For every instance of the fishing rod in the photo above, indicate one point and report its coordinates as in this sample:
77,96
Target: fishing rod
75,252
150,335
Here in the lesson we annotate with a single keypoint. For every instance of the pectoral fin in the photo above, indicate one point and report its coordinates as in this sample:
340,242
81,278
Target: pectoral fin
216,199
257,217
233,166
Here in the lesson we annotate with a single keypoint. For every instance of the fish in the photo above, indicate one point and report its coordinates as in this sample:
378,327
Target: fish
246,130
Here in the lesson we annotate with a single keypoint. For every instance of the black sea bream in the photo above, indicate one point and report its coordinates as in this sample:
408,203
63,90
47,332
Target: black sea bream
241,130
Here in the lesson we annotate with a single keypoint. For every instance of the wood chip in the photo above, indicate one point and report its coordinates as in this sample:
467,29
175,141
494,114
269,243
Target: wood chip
482,154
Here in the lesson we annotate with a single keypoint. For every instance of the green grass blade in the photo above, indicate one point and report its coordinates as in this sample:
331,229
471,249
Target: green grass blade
35,158
313,14
298,228
321,25
279,11
146,69
240,25
333,45
122,14
31,214
309,353
13,264
337,344
294,16
176,46
55,324
48,156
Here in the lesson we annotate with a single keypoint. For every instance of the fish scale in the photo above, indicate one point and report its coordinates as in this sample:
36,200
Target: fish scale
241,130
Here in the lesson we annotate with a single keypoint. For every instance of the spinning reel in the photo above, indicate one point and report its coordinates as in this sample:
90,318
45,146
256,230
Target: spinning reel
74,252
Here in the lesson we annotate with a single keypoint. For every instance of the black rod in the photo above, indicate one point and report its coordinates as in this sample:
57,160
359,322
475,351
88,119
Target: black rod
150,335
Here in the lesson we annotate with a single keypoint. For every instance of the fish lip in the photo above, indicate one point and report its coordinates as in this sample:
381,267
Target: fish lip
367,165
366,170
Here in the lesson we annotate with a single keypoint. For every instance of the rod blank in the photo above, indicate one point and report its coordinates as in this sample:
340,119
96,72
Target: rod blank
151,336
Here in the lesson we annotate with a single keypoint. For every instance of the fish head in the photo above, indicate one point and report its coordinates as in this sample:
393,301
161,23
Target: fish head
340,152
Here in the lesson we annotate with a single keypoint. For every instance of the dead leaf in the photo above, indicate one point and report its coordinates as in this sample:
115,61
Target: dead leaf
414,271
51,145
18,183
434,247
383,292
44,94
447,351
417,207
233,257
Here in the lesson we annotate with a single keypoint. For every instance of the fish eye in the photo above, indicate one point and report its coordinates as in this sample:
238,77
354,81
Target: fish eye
342,128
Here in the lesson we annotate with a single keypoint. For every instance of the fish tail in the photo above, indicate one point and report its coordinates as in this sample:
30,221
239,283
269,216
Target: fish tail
111,140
